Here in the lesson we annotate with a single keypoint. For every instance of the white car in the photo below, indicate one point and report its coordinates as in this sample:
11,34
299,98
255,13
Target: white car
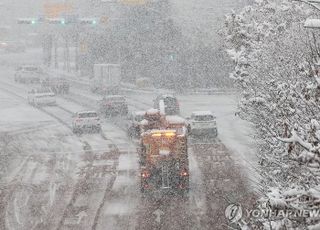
202,123
86,120
28,74
42,96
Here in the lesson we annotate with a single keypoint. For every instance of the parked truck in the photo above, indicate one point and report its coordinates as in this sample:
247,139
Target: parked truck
106,79
163,155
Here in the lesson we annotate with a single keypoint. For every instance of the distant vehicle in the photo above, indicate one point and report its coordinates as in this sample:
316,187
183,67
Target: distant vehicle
14,47
58,85
143,82
202,123
178,123
106,79
28,74
167,104
3,45
113,105
42,96
86,120
134,126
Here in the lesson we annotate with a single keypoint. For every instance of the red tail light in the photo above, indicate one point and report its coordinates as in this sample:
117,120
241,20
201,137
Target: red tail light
145,174
181,186
184,173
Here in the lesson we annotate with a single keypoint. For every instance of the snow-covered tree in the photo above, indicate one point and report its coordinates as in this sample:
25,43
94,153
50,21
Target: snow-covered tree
276,67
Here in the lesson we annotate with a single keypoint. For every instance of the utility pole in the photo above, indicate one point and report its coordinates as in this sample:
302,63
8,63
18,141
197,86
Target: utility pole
56,63
77,52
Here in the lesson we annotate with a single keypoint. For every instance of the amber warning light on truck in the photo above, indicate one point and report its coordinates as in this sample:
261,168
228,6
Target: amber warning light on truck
164,134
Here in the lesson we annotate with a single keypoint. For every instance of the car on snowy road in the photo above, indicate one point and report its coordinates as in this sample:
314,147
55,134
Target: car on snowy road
202,123
134,123
41,96
167,104
28,74
14,47
113,105
86,120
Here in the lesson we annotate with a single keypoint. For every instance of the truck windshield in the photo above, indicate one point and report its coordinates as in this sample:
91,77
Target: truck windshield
204,118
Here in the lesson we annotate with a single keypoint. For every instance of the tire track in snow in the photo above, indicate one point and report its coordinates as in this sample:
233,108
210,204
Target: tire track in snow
53,111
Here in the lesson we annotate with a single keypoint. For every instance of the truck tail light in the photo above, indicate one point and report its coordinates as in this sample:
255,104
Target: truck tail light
145,174
184,173
181,186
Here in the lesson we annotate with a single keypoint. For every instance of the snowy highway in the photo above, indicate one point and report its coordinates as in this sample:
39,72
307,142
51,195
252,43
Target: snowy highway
92,180
159,115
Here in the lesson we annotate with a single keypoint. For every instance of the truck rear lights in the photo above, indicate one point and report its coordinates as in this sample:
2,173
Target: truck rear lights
145,174
184,173
182,186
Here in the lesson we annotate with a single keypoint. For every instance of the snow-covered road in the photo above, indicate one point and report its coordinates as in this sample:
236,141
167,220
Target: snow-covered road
91,181
235,133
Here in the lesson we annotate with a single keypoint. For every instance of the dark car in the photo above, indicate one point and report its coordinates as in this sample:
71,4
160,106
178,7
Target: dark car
114,105
134,123
167,104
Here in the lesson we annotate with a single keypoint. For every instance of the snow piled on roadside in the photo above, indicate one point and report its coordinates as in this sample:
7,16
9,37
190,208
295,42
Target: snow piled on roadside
16,114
